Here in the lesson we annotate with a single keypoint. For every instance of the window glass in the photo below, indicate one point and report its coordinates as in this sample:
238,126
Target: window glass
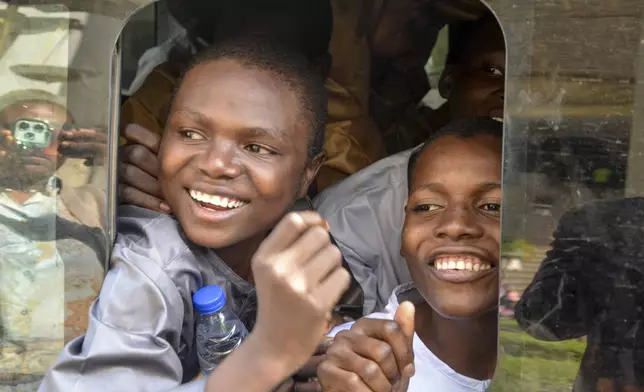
56,218
572,251
572,242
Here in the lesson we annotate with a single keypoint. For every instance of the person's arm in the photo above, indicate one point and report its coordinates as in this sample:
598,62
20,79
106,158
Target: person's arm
299,278
558,304
134,333
353,141
233,373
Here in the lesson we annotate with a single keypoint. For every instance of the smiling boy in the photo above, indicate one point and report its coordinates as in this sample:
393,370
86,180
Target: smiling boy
365,212
243,142
450,241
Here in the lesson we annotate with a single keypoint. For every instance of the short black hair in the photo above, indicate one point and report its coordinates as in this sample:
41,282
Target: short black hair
305,25
462,128
288,66
460,34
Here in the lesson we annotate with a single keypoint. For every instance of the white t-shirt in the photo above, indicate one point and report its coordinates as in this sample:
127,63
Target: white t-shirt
431,374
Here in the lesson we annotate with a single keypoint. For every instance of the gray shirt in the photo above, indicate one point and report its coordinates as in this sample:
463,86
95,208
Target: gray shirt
141,329
366,215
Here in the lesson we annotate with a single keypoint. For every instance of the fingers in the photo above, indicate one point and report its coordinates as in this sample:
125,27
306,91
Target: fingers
141,157
309,370
286,386
334,379
329,291
83,134
313,240
307,386
131,195
136,134
82,149
321,264
289,229
133,176
391,333
369,358
323,346
404,316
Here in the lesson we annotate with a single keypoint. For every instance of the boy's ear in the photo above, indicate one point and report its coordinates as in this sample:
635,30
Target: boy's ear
446,82
311,172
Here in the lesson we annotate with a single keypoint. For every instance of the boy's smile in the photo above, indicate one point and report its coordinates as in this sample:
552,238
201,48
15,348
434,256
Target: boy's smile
451,235
461,264
234,154
216,206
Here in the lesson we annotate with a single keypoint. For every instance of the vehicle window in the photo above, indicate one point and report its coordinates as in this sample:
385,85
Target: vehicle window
571,300
571,297
56,218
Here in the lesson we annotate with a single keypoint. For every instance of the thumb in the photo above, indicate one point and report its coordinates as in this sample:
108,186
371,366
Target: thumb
405,318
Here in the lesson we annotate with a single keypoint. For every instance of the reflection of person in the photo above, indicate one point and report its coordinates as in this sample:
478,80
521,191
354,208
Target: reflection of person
450,240
50,237
590,284
363,210
243,142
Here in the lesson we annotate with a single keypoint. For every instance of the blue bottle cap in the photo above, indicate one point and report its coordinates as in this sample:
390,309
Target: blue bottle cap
209,299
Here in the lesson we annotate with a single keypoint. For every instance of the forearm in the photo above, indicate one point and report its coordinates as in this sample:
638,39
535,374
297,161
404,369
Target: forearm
250,368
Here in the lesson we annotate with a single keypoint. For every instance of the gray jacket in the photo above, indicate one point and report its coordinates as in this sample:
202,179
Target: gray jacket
366,215
141,329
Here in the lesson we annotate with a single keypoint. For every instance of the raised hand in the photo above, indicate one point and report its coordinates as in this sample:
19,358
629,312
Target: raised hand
299,278
374,356
138,169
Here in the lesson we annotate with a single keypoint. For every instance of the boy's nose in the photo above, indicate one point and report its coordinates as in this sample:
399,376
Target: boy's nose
458,224
220,161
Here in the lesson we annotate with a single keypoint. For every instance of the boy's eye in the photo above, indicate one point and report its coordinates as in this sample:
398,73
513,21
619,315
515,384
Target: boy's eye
426,208
257,149
492,208
492,70
191,135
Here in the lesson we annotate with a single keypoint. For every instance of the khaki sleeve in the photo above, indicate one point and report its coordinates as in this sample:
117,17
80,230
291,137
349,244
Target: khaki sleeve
149,105
352,142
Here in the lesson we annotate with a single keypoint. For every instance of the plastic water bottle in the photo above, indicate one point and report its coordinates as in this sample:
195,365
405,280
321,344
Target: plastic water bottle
219,330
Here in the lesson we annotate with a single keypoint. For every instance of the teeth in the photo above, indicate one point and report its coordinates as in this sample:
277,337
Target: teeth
499,119
461,264
220,201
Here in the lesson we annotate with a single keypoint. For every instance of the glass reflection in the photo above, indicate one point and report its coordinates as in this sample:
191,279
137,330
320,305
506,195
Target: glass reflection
571,116
52,195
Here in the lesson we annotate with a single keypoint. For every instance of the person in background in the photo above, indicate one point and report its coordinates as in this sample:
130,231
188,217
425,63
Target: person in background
365,211
52,236
589,285
242,144
444,333
353,140
403,35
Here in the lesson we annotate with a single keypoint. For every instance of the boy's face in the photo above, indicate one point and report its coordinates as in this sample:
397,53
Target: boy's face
476,85
33,165
234,153
452,229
